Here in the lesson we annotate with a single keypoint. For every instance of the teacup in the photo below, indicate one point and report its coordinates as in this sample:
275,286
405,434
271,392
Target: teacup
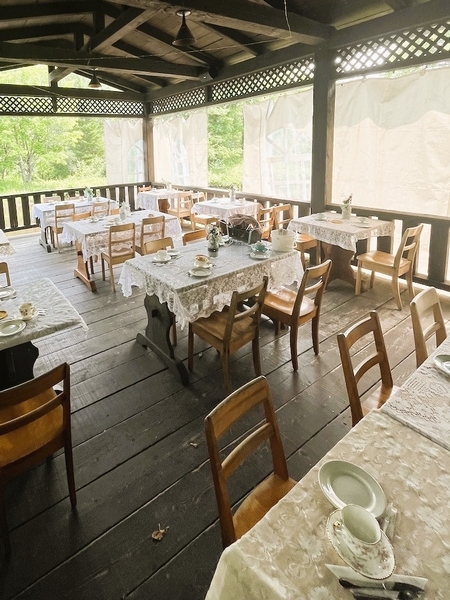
201,261
162,254
320,217
260,247
27,311
363,219
359,528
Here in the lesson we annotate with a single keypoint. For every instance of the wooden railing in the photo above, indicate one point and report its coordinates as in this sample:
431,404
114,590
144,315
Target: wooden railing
432,265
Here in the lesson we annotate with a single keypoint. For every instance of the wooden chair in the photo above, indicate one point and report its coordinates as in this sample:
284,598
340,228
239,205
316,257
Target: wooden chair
4,269
145,188
266,221
80,217
352,375
198,221
121,243
282,215
153,246
230,329
34,424
394,265
297,308
425,305
47,199
182,208
270,490
152,228
100,209
63,212
192,236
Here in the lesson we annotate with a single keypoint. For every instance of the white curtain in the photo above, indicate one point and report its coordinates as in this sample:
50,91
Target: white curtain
392,142
124,150
181,149
277,146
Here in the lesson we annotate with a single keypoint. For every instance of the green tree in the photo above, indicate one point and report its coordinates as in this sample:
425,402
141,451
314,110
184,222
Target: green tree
225,145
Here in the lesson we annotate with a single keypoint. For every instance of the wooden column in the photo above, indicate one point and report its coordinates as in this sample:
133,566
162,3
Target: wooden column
149,154
323,130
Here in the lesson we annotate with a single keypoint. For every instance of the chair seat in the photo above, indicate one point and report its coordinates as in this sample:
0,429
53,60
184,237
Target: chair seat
306,240
212,329
382,258
22,442
259,502
377,398
282,302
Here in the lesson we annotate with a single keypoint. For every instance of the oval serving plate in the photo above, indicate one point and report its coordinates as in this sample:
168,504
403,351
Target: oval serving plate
442,361
11,327
345,483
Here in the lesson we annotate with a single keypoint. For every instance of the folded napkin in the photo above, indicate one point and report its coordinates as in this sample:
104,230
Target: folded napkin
394,582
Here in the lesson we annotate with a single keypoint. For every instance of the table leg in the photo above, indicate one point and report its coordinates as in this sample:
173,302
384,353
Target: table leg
17,364
43,240
157,336
341,267
82,270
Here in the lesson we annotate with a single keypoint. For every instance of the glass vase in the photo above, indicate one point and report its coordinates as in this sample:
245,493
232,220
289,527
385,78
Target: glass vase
346,211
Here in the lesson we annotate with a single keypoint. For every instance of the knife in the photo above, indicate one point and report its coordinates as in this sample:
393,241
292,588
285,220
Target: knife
353,578
373,594
389,585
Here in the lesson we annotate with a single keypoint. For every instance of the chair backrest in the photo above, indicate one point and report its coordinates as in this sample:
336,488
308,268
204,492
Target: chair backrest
408,245
266,220
314,283
254,394
121,239
64,212
192,236
426,307
144,188
184,200
239,311
100,209
152,228
82,215
282,215
4,269
369,325
47,199
198,197
160,244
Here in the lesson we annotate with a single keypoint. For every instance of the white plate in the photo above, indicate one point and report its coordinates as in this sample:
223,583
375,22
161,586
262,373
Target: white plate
161,260
7,292
173,253
345,483
259,255
376,562
442,361
200,272
11,327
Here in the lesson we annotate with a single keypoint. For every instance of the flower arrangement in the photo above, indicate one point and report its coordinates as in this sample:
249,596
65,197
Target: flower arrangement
213,235
347,201
88,192
346,208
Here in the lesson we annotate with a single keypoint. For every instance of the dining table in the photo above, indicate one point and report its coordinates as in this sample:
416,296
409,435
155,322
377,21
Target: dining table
174,287
150,200
6,248
45,213
224,208
339,238
91,238
54,313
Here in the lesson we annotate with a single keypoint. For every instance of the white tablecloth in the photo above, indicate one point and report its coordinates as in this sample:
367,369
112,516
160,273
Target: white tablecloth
149,200
189,297
224,208
45,212
59,312
423,401
283,557
93,237
340,232
6,249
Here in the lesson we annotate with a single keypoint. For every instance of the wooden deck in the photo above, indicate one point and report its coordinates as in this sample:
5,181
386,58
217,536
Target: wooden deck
139,450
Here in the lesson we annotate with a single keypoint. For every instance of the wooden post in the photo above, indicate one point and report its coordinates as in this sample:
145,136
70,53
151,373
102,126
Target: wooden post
323,131
149,154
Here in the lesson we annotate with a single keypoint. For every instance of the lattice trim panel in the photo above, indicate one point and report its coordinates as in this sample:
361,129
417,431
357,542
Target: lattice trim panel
182,101
424,44
15,105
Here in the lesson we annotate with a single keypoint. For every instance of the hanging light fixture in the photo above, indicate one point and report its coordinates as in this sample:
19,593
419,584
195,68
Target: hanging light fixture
184,36
94,82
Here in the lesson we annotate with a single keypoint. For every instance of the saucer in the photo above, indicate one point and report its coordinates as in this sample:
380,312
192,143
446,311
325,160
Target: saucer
442,361
259,255
199,272
375,561
161,260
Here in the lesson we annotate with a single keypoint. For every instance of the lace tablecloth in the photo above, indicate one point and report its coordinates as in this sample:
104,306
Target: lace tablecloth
340,232
45,212
93,237
224,208
59,312
149,200
423,401
189,297
6,249
283,557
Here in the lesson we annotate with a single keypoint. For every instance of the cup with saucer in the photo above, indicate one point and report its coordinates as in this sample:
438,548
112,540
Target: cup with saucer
27,311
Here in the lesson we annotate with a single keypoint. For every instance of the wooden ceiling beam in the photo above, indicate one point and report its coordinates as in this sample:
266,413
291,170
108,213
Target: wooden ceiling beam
237,38
42,91
33,11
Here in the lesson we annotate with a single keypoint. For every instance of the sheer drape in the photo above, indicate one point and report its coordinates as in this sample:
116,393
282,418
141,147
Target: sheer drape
123,150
